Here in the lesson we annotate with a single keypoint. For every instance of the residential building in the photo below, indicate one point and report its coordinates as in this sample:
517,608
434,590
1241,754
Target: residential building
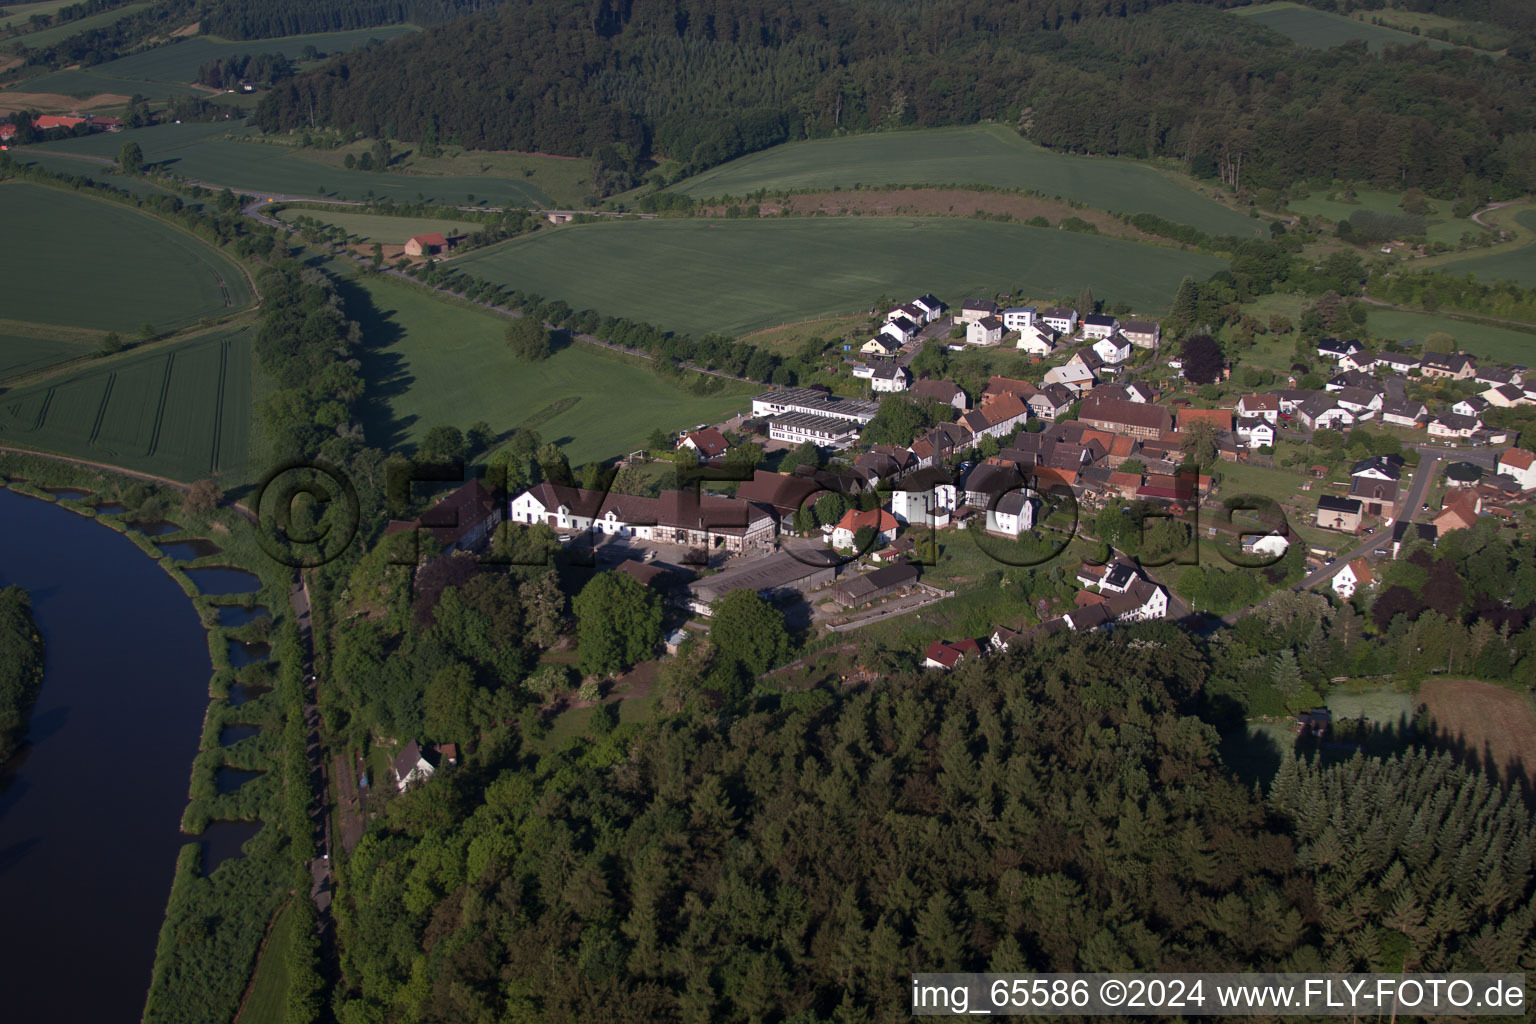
1038,340
1451,426
411,766
465,520
1455,365
925,498
1259,407
877,519
1113,350
1007,386
910,311
1352,378
1405,533
1060,319
881,345
975,310
709,443
1520,464
1073,375
1473,406
945,391
1506,395
1352,577
1493,376
1363,404
1256,434
1396,362
1142,601
1221,419
1339,513
1404,413
1097,326
674,517
947,654
995,418
1321,412
1379,467
903,329
1142,333
1018,318
1011,514
930,306
1136,419
986,331
1334,349
888,377
1052,402
1460,511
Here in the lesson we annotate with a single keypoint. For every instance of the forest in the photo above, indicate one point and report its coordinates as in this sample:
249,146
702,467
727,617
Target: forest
702,81
21,668
797,858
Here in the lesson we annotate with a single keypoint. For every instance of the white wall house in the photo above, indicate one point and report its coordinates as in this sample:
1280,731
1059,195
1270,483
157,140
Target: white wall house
1097,326
1037,340
1015,513
1352,577
1073,376
1019,317
931,507
889,377
1520,464
986,331
1060,319
1257,434
1114,349
880,345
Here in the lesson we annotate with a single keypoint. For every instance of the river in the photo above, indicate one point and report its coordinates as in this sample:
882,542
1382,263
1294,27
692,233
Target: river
89,815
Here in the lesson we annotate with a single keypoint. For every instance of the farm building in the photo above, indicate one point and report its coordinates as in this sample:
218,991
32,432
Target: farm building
872,586
776,576
427,245
1339,513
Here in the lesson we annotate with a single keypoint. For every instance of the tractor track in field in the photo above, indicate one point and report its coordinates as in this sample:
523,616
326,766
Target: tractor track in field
218,409
165,392
101,408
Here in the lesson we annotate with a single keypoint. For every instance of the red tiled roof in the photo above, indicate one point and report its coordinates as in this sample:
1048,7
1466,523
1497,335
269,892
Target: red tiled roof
1518,458
1221,419
877,519
709,441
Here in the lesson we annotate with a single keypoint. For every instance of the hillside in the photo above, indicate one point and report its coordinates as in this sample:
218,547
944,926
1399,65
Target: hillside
703,81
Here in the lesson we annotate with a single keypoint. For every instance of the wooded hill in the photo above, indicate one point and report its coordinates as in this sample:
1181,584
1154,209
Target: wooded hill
702,81
1058,809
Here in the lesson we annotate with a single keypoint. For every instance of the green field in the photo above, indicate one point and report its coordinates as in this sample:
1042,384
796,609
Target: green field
735,276
432,362
19,14
179,410
381,227
21,353
267,1001
1320,30
1518,265
169,70
90,263
220,154
978,155
1442,225
1503,344
55,33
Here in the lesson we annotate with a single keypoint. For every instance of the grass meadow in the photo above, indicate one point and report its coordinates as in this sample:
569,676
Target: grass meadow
1321,30
431,362
22,353
1504,344
179,409
381,227
978,155
94,264
220,154
1441,226
165,71
56,33
737,276
267,1000
20,14
1517,264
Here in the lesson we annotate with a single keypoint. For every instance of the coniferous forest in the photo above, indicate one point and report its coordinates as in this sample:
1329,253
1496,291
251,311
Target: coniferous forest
799,857
703,81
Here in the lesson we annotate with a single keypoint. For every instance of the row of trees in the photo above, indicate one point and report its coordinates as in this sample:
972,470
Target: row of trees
21,668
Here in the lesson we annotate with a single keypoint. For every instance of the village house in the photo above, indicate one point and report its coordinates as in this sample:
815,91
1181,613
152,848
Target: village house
909,310
1113,350
877,519
1037,340
944,391
1142,333
926,498
888,377
1404,413
1520,465
1017,318
1097,326
1493,376
946,655
1256,434
1405,532
1321,412
1011,514
1505,396
1363,404
880,345
998,386
903,329
930,306
1352,577
464,520
1259,407
1454,365
1136,419
883,462
986,331
1453,426
1460,511
1334,349
414,764
1379,467
708,443
1060,319
675,517
995,418
1397,362
1339,513
1220,419
1073,375
974,310
1052,402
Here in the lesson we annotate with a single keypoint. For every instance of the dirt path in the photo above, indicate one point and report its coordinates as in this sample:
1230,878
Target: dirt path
1477,218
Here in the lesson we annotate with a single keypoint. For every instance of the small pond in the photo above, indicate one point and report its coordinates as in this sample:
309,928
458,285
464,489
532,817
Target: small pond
243,654
232,616
227,780
189,550
223,840
111,508
232,734
223,580
67,492
153,527
240,693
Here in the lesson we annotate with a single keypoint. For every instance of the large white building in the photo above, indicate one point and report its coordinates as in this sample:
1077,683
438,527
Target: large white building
675,517
815,403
